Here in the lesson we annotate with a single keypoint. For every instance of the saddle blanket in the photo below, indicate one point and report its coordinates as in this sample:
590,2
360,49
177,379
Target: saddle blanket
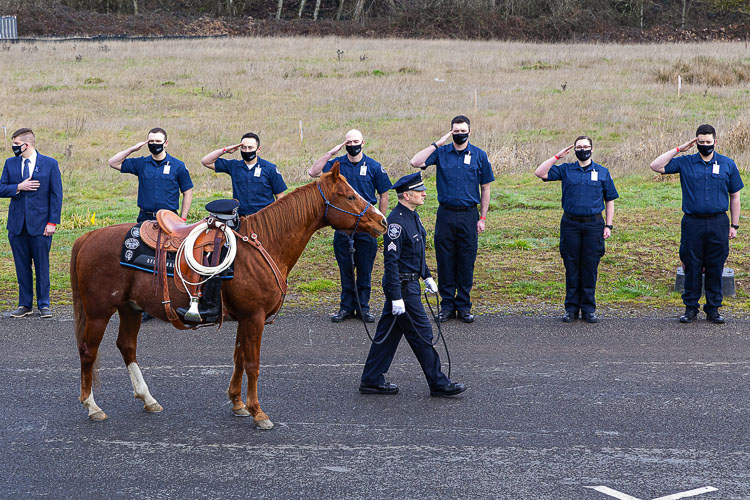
136,254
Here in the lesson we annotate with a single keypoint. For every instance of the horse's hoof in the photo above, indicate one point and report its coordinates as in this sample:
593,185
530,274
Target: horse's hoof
153,408
98,416
264,424
242,412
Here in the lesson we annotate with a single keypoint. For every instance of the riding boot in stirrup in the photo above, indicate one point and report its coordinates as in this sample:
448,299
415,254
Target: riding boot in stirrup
209,307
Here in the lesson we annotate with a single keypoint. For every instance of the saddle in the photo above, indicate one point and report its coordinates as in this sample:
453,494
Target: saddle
165,235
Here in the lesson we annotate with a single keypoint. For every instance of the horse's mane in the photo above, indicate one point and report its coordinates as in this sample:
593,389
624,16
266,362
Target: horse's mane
274,219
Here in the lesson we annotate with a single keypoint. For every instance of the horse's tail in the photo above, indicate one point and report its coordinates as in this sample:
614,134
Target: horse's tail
80,315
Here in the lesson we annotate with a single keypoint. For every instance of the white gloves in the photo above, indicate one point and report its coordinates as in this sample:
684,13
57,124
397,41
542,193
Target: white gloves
430,285
398,307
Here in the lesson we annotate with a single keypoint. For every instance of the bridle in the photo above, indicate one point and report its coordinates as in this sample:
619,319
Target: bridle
329,204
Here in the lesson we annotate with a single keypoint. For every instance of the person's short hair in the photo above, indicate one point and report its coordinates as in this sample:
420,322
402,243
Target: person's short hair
251,135
584,137
26,134
706,129
461,119
159,130
400,196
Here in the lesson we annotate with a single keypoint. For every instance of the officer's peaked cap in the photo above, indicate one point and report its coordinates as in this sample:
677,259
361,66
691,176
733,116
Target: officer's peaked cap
411,182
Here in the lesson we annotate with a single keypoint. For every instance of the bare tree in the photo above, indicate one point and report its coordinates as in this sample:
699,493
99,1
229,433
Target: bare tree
301,8
135,7
359,7
278,10
317,9
339,10
686,4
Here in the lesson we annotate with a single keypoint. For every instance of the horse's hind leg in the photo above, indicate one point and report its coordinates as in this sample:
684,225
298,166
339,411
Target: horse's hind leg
250,331
88,348
235,383
127,341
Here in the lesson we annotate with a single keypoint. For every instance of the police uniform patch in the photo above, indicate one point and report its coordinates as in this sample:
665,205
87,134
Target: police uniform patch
128,255
136,232
394,231
132,243
392,246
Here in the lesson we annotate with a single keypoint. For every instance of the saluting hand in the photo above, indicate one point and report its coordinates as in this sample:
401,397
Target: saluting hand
607,232
688,145
232,149
29,185
444,139
139,145
564,152
337,148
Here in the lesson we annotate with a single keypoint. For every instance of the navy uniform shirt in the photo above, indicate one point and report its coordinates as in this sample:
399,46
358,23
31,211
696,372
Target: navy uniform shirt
705,186
403,249
253,187
584,190
460,173
159,184
365,177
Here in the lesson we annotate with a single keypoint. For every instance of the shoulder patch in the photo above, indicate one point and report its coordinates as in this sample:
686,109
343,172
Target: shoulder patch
394,231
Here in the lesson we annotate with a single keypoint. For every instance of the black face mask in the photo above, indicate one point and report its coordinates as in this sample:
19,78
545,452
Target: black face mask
460,138
705,149
17,150
248,155
354,150
583,154
156,149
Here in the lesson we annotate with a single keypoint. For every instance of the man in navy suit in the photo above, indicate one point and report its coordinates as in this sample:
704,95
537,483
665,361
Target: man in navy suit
33,184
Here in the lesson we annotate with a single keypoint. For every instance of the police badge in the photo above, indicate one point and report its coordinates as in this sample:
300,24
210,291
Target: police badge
394,231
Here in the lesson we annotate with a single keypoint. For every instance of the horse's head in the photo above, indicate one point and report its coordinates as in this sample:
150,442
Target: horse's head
346,209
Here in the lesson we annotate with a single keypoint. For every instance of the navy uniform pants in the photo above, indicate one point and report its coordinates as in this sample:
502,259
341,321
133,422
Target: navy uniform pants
27,248
581,248
381,355
366,248
704,244
456,240
144,216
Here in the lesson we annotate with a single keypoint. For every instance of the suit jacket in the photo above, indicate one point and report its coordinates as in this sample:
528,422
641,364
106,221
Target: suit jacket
35,208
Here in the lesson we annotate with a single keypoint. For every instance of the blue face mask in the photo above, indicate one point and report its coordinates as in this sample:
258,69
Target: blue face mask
705,149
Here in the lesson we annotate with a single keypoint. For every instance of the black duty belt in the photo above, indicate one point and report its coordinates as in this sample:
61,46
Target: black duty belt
583,218
453,208
706,216
408,276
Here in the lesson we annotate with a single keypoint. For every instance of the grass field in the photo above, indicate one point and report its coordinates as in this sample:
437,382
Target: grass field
87,101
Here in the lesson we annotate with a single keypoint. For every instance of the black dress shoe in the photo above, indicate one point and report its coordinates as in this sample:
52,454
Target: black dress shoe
387,388
446,315
341,316
590,318
689,316
466,317
447,391
569,317
21,312
715,317
369,318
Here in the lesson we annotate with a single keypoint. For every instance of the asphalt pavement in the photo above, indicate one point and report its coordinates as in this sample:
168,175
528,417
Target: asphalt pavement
629,408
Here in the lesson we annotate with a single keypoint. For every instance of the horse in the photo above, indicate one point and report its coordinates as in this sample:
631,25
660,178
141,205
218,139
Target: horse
101,286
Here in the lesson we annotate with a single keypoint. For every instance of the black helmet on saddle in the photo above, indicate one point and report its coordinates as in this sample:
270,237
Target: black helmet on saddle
225,210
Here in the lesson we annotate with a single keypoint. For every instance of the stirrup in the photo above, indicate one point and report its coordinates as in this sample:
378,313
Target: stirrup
192,314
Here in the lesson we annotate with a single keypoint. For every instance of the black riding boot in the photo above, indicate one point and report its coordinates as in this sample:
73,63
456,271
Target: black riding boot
209,306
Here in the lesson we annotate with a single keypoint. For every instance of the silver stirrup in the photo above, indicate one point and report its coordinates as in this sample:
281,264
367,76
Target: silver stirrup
192,314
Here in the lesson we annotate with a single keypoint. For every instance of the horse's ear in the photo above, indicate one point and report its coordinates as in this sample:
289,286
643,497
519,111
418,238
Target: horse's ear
335,172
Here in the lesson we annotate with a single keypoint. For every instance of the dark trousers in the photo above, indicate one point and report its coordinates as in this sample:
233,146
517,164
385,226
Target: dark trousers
704,244
381,355
144,216
581,248
27,249
456,240
366,247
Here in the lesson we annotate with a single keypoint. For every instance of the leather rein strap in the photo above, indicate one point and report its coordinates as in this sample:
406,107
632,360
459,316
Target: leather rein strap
253,240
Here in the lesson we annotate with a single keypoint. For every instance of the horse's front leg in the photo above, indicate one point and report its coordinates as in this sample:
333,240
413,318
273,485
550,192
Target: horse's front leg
250,331
235,383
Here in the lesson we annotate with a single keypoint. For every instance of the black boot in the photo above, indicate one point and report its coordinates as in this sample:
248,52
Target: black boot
209,306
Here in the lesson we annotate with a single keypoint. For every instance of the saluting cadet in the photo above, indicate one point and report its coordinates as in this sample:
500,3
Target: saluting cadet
366,176
463,170
587,189
710,182
256,183
404,262
161,177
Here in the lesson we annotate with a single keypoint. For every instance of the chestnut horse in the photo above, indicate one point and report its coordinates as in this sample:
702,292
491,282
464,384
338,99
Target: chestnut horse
101,286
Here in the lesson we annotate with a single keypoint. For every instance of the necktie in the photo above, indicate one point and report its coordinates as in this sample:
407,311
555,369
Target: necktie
26,168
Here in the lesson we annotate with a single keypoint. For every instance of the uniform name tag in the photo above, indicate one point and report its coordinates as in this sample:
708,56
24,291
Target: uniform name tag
716,169
363,169
166,169
257,172
467,159
594,175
